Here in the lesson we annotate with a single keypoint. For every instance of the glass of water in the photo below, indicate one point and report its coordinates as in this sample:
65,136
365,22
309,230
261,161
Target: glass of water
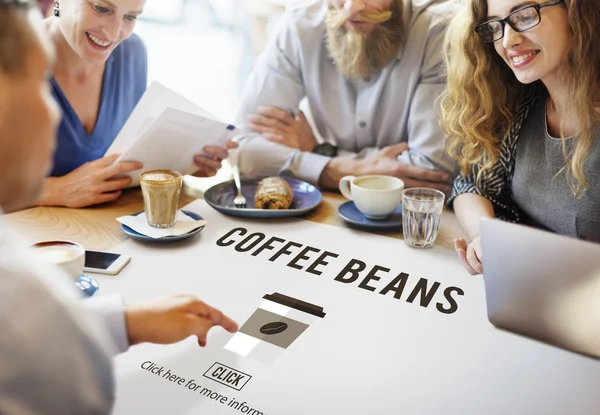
421,212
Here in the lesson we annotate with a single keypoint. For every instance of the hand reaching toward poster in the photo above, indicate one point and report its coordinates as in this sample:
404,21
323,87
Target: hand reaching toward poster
172,319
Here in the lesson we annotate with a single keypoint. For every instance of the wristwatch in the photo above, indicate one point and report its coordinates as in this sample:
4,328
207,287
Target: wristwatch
326,149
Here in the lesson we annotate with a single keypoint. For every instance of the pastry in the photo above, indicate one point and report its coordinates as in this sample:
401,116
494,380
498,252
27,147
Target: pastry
273,193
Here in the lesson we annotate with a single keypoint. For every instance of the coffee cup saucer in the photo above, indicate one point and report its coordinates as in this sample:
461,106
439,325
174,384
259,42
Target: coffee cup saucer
167,239
349,213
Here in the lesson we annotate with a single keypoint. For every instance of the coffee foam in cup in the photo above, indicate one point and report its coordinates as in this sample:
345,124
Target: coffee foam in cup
70,256
58,254
159,176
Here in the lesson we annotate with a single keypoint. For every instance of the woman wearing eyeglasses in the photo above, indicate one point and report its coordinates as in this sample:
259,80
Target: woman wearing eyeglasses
99,76
522,111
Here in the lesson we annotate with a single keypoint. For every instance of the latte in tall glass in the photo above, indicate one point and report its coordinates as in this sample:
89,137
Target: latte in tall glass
161,189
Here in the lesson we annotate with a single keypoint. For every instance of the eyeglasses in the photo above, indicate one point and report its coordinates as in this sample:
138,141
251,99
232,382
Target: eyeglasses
520,21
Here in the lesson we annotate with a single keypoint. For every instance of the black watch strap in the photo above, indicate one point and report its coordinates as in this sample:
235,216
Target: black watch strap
326,149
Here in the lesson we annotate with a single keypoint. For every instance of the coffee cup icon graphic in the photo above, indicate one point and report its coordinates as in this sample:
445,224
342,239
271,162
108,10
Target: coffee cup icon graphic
275,325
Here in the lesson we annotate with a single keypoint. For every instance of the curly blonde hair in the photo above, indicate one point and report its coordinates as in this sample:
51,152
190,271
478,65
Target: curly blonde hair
482,94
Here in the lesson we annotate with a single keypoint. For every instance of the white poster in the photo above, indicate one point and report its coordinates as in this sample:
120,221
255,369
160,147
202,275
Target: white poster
334,321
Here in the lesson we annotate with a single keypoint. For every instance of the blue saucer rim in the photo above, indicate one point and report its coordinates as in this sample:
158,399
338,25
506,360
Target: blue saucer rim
173,238
372,224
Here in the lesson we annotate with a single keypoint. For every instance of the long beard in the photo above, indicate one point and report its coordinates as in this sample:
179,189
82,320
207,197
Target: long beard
357,54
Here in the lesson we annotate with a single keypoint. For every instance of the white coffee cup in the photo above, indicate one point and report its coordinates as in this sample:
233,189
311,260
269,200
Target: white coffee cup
70,256
375,196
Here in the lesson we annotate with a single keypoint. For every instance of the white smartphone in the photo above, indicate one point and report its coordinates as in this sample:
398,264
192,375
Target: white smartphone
105,262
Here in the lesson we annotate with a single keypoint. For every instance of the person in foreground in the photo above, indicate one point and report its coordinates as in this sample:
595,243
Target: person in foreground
99,76
55,350
371,72
522,111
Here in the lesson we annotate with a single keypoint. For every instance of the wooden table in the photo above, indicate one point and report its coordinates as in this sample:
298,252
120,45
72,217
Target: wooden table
96,227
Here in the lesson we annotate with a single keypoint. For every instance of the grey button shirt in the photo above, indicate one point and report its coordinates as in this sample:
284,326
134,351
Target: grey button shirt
396,105
55,350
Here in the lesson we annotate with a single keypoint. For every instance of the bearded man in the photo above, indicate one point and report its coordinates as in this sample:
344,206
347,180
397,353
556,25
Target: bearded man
370,72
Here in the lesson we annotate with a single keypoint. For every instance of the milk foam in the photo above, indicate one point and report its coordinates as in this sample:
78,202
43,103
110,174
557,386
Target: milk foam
159,177
58,254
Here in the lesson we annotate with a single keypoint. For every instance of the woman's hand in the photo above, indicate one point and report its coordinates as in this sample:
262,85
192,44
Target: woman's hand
281,127
470,255
172,319
211,161
94,182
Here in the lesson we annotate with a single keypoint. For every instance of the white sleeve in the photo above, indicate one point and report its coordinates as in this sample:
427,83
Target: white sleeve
112,313
424,128
276,81
53,358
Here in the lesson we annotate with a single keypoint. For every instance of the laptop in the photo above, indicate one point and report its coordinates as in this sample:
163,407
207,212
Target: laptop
542,285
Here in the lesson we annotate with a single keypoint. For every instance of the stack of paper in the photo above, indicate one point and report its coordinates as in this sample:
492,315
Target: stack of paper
165,131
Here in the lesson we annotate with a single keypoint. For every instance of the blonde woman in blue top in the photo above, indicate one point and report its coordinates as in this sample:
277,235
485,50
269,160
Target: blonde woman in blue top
99,76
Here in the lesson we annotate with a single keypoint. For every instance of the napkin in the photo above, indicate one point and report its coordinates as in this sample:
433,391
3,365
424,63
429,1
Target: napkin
183,224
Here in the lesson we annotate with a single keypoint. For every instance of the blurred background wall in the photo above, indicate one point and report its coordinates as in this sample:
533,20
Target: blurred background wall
205,49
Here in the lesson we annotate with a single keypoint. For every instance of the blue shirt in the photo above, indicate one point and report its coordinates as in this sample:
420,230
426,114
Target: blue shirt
124,83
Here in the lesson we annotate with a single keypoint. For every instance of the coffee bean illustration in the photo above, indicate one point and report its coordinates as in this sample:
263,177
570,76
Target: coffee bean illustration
275,327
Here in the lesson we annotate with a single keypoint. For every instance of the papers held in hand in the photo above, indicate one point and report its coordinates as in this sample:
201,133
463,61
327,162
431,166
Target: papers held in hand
165,131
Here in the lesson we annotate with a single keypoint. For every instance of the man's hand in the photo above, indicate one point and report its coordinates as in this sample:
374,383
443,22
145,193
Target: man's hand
211,161
95,182
172,319
470,255
385,161
281,127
